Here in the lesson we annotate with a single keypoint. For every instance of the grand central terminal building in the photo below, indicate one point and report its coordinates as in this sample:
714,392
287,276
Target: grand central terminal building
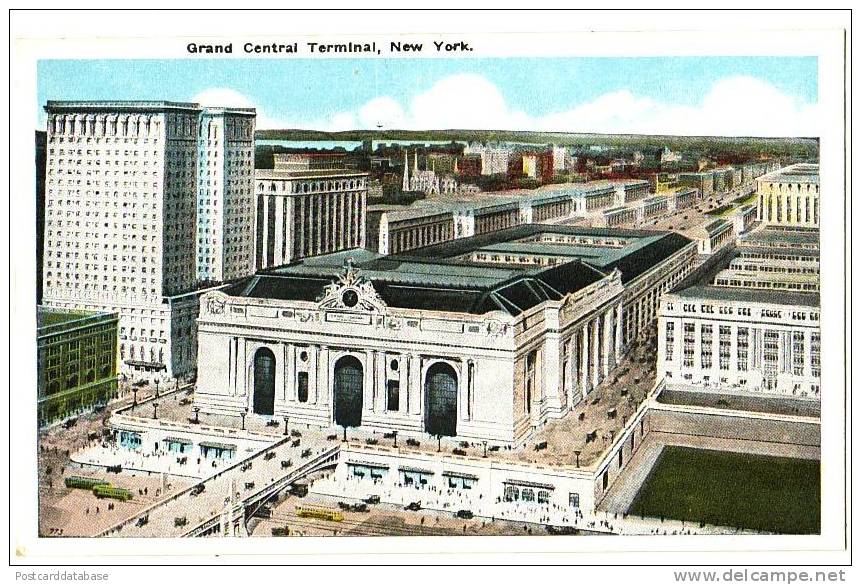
482,338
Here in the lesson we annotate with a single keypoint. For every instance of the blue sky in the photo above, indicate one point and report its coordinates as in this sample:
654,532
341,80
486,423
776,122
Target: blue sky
570,94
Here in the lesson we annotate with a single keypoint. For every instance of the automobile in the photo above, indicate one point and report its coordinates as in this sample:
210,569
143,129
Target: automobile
264,511
180,521
413,506
464,514
269,455
299,490
344,505
142,521
360,507
286,463
198,489
374,499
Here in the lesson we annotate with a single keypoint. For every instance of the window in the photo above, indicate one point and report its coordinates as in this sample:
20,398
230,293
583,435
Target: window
393,395
302,387
706,347
688,349
670,341
512,494
574,500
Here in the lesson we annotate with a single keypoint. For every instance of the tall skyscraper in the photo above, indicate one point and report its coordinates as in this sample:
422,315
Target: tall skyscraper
145,201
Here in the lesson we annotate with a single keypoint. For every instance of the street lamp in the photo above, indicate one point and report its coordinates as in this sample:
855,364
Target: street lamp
155,410
156,388
196,415
577,455
439,443
395,435
134,397
243,414
286,421
484,443
345,433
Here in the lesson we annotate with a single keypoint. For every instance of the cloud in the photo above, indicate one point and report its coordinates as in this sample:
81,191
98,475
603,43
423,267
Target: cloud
734,106
225,97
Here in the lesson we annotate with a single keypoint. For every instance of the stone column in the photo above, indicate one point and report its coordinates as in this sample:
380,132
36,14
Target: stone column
313,360
415,384
574,376
404,377
241,368
368,386
619,334
463,391
584,361
323,376
290,378
596,363
286,370
278,244
380,386
608,341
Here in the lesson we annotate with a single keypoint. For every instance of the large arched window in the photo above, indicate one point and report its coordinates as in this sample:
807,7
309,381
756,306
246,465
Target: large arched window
441,400
348,389
264,381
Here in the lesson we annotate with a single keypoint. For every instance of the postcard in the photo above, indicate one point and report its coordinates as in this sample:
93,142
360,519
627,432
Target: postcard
302,278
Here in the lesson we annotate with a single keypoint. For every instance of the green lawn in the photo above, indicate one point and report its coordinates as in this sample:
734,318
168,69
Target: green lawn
774,494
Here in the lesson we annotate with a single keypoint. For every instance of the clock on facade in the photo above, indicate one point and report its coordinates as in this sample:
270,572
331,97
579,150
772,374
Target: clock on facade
349,298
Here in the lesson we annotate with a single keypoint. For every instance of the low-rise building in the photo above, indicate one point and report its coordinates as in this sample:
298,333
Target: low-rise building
745,322
789,196
77,362
306,212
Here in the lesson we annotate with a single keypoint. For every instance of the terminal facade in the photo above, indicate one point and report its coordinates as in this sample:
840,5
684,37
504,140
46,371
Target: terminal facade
440,342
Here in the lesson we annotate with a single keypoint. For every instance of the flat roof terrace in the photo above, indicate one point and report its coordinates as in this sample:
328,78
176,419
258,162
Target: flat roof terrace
699,284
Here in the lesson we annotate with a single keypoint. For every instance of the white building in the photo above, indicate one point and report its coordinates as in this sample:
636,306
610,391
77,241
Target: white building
789,196
428,342
128,186
746,322
494,159
306,211
225,199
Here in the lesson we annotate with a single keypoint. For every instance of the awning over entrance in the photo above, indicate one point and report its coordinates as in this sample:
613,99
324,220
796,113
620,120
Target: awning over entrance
416,470
368,464
458,474
146,365
222,446
532,484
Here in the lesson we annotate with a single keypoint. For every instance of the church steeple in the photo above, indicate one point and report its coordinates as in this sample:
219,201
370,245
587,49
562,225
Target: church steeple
406,184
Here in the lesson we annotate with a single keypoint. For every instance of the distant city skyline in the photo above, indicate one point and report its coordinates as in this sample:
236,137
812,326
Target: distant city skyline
720,96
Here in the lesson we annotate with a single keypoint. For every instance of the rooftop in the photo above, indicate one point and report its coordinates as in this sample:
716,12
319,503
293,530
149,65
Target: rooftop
798,173
699,285
441,278
73,106
50,320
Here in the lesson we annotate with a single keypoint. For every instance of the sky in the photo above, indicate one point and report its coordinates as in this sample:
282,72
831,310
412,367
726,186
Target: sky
718,96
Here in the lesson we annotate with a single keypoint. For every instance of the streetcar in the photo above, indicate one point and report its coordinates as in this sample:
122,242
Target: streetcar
86,483
108,491
320,513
